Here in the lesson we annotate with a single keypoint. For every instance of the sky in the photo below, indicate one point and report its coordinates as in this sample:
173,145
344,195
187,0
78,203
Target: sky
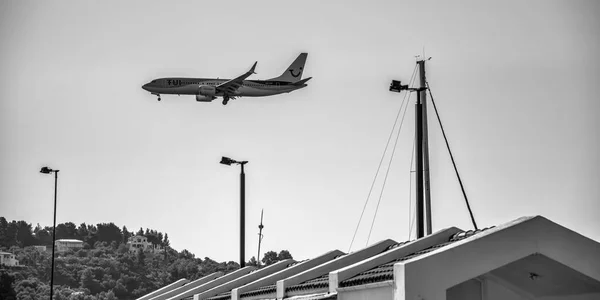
516,85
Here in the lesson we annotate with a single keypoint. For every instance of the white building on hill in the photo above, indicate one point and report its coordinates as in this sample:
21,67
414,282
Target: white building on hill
68,244
8,259
139,242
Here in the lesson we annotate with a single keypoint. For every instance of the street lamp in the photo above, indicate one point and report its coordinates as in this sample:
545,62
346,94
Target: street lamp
228,161
47,170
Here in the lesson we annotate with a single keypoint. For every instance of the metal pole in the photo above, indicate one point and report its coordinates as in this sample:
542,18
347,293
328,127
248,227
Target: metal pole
419,166
53,235
242,214
427,187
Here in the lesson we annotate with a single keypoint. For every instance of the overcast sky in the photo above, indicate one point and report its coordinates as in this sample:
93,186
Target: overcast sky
516,84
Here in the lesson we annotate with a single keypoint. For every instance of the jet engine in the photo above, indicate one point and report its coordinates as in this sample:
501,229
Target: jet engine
207,90
201,98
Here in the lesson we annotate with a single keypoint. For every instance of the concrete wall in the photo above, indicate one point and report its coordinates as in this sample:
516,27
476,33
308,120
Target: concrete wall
495,291
468,290
573,297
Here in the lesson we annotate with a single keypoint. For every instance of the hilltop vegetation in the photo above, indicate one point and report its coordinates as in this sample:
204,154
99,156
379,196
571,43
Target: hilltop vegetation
104,269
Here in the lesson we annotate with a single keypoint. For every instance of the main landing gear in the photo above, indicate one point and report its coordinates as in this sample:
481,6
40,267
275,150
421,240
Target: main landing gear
225,100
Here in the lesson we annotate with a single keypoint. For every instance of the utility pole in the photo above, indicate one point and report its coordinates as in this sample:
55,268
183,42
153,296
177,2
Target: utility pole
427,187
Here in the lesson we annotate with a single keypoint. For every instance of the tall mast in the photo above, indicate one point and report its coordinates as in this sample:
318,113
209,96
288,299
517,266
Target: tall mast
425,149
419,164
260,236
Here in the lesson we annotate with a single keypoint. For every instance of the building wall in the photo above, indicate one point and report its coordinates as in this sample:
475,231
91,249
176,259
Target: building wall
573,297
67,245
376,293
494,291
8,260
489,290
468,290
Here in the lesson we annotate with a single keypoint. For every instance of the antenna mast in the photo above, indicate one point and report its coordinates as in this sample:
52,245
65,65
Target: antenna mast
260,236
421,149
425,145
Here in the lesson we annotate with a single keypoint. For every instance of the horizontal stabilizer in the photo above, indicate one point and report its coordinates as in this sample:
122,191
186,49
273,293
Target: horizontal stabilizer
301,82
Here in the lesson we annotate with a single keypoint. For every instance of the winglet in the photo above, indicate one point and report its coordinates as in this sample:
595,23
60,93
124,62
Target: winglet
253,67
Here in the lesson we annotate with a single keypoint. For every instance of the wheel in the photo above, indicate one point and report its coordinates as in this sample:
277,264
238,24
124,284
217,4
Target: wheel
158,98
225,101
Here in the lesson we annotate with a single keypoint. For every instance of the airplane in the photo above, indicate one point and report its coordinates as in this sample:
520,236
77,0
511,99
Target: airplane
208,89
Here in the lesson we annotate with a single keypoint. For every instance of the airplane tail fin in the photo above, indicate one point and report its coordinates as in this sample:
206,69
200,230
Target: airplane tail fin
294,72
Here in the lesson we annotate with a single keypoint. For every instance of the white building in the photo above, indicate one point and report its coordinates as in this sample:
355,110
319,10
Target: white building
8,259
531,258
68,244
40,248
139,242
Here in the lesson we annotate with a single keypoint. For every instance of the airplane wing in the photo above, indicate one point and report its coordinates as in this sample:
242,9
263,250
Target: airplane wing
229,87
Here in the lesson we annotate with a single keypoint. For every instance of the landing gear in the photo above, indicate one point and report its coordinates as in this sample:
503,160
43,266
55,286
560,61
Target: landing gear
158,98
225,100
157,95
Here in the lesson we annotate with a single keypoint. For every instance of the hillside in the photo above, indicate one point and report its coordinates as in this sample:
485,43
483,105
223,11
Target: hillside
104,269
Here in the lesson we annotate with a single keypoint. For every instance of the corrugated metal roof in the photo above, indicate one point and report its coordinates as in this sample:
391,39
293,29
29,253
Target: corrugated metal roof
386,271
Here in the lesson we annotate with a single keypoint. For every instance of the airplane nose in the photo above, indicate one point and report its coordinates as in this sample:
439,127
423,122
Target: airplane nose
145,86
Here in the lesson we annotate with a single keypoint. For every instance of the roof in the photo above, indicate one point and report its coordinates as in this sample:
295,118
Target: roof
523,248
385,271
321,282
69,241
6,253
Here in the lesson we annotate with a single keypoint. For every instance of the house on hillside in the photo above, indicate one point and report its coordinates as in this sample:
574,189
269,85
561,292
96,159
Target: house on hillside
8,259
138,242
528,258
40,248
68,244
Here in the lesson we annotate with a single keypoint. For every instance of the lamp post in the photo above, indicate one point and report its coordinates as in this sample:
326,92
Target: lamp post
47,170
228,161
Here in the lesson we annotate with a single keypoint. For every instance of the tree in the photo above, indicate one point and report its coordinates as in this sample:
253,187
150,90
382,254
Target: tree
284,254
7,292
11,234
82,231
24,234
269,258
3,232
252,262
140,232
126,234
109,232
43,237
66,231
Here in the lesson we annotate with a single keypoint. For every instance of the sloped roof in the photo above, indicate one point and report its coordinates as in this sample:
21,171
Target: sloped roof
386,271
526,246
321,282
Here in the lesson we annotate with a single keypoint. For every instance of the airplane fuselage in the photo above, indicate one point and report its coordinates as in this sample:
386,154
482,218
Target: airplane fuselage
190,86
